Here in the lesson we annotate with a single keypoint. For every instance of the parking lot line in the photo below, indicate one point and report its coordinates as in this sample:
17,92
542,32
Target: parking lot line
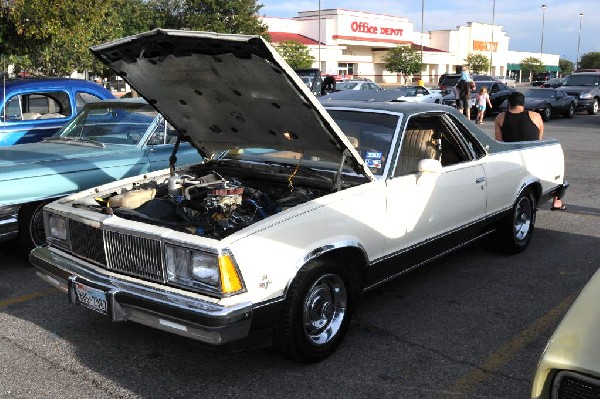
498,359
34,295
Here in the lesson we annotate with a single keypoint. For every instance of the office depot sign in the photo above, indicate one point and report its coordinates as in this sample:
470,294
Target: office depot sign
365,27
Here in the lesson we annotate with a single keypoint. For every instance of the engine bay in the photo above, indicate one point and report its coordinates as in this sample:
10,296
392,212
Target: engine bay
212,202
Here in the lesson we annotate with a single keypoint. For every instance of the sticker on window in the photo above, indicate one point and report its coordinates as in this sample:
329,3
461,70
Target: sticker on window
373,159
374,163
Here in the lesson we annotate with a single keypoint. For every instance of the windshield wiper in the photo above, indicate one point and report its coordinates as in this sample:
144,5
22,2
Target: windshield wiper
74,140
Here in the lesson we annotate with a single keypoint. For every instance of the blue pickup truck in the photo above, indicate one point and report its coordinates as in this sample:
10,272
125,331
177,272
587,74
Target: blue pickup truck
31,109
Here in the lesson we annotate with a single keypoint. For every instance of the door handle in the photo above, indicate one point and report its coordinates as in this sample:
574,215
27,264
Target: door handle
479,180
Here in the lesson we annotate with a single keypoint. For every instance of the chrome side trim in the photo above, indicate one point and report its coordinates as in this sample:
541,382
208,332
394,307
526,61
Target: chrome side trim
429,260
317,252
427,241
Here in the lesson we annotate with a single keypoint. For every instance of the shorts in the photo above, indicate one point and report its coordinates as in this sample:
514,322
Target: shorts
481,108
462,103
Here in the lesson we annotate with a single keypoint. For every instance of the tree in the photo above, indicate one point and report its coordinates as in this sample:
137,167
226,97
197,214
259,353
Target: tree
54,39
566,66
590,60
531,65
224,16
478,62
296,54
403,59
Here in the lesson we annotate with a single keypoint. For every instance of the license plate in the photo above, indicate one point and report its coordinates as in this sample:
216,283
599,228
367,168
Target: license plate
92,298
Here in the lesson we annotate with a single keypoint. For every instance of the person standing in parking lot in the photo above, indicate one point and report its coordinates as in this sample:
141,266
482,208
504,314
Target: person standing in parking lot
518,124
464,97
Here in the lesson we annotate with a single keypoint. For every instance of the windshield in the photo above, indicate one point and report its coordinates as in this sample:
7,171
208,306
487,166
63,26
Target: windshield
126,123
582,80
346,86
539,93
369,133
406,91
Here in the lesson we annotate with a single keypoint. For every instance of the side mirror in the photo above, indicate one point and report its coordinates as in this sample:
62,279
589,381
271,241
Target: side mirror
430,166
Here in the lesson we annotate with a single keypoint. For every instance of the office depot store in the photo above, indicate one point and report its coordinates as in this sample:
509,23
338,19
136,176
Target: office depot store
353,44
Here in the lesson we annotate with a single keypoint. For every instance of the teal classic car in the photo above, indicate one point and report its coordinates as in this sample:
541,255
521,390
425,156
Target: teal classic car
109,140
31,109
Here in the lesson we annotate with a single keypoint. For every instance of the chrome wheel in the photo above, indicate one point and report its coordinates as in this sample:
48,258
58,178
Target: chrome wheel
324,309
523,218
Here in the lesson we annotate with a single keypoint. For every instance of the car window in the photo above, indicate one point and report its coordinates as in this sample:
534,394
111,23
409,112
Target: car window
41,105
164,134
112,124
12,111
370,133
433,136
346,86
582,80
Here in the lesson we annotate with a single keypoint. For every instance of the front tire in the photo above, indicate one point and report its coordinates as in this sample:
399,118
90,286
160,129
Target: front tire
593,110
515,231
570,112
547,113
31,227
316,312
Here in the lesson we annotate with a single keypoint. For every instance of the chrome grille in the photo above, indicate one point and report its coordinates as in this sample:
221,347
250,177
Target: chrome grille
87,242
135,256
569,385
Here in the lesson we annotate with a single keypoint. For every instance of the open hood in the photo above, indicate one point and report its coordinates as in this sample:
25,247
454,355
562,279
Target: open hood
224,91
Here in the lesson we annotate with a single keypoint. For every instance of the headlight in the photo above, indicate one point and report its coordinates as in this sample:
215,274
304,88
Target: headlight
57,227
201,270
585,95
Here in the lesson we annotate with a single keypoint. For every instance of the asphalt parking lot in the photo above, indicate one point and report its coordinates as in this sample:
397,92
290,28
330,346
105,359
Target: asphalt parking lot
471,325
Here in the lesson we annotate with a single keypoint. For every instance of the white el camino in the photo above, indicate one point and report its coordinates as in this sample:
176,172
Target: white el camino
297,207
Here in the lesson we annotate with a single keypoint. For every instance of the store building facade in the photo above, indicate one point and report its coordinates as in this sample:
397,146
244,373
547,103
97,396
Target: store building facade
353,44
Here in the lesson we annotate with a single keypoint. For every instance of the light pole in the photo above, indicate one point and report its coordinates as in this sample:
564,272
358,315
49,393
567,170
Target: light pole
578,40
542,43
492,43
319,35
422,30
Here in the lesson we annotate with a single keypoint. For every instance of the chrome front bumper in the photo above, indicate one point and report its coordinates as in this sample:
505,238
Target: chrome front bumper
152,306
9,222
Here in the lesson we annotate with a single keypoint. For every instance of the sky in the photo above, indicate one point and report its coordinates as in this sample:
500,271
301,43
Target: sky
520,19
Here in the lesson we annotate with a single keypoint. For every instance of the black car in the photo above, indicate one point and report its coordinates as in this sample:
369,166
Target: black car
548,102
553,82
585,87
497,91
540,78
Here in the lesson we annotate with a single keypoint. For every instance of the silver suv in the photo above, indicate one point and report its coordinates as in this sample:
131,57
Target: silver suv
585,87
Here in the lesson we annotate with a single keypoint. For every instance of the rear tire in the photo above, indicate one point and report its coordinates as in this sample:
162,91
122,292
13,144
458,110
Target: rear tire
317,312
31,227
515,231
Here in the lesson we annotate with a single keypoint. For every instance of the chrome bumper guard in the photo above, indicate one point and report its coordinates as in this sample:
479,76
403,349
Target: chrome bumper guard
129,301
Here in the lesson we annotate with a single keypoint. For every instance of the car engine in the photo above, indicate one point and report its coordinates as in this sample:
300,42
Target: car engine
207,203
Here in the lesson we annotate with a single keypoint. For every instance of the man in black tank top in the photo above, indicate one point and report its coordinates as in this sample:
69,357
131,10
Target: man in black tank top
518,124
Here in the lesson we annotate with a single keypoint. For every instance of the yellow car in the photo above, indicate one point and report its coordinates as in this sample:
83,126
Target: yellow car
570,364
